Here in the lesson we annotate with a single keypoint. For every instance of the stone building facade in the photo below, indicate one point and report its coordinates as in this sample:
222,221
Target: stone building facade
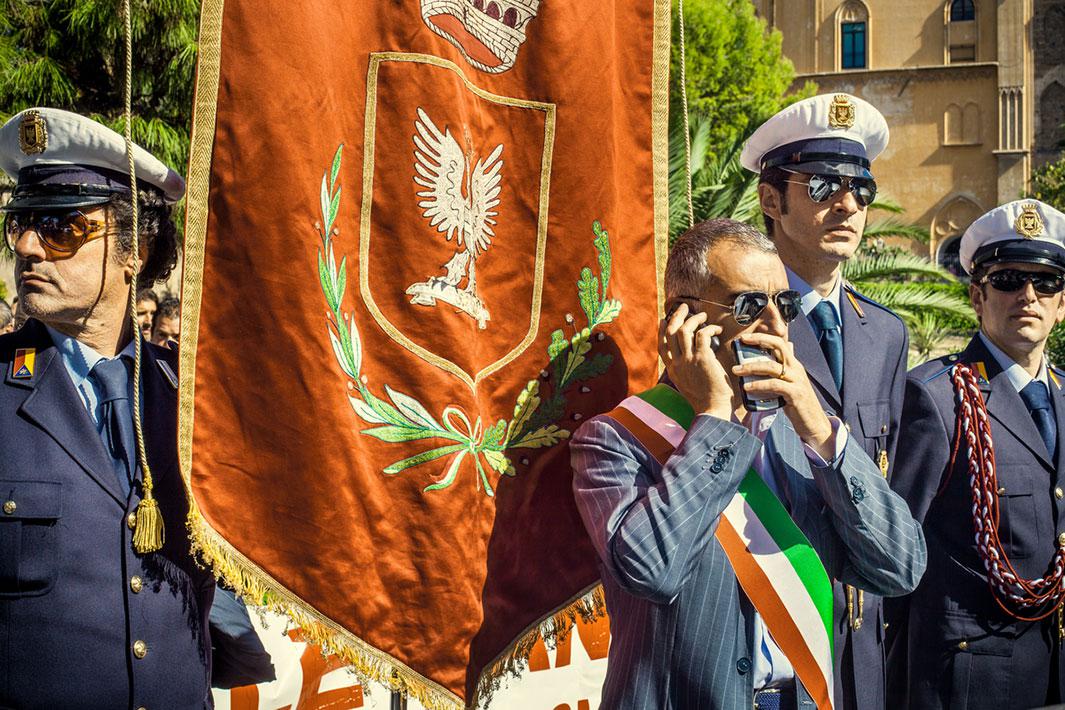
973,90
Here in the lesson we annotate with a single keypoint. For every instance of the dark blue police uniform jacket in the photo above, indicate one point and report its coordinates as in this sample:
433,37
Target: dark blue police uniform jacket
875,346
960,650
75,599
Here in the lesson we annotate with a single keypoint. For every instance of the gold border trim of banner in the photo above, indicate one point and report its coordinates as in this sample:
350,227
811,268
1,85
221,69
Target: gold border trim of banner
660,142
248,579
368,169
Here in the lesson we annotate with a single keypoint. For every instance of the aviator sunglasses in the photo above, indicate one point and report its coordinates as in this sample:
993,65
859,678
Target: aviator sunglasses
61,232
823,187
749,305
1010,280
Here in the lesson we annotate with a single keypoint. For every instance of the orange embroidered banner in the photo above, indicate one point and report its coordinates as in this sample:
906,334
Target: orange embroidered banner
424,241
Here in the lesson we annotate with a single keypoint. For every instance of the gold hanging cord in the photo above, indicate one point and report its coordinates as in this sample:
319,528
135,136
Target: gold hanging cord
148,533
687,129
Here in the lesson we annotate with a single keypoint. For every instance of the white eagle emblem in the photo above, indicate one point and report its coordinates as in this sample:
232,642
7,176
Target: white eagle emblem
459,198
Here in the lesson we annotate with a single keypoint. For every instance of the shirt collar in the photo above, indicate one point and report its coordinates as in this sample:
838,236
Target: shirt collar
1017,375
810,297
79,358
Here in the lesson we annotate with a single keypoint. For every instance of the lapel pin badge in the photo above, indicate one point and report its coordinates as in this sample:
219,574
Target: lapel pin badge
22,367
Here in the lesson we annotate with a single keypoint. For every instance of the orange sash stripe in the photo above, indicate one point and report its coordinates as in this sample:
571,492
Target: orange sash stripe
650,439
760,591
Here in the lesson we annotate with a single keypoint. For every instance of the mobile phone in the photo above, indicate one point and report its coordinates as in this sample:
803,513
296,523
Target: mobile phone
715,342
748,353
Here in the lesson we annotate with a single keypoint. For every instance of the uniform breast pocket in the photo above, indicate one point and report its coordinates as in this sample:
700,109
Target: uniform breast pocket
875,417
1018,519
29,536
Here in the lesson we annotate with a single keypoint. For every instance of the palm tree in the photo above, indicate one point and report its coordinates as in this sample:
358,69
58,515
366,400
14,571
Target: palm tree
720,186
891,225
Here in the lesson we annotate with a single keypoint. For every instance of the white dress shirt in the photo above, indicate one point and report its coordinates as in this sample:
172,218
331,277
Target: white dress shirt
810,297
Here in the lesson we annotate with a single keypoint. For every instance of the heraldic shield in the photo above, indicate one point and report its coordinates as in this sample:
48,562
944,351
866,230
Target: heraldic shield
410,276
457,181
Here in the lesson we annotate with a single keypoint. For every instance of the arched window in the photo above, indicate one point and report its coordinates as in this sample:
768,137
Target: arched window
962,10
952,125
949,224
949,256
853,24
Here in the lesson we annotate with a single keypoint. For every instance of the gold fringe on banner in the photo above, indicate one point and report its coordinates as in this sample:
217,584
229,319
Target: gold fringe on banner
248,580
256,587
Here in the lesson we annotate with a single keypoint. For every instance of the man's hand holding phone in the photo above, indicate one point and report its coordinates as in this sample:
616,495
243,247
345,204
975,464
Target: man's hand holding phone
686,344
786,378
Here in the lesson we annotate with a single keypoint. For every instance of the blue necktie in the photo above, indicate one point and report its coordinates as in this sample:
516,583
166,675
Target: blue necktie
116,416
1037,399
826,322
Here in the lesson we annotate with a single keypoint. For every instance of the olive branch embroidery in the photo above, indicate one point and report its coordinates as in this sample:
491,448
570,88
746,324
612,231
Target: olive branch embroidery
401,418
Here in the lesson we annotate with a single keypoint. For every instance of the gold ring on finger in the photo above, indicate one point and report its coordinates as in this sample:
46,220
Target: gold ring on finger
783,370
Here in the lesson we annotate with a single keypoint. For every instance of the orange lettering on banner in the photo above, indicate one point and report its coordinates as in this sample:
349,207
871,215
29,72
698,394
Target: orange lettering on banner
315,667
595,638
581,705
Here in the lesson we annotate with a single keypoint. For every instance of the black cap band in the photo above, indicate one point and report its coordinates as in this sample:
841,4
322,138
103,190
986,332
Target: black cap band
46,186
1024,251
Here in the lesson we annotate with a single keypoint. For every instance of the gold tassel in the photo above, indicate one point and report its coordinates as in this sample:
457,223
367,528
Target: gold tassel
148,535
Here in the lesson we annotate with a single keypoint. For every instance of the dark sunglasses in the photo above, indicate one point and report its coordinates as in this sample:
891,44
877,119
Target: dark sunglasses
61,232
749,305
823,187
1010,280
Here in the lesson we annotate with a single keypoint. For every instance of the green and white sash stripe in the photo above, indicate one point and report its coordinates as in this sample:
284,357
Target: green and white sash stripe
774,562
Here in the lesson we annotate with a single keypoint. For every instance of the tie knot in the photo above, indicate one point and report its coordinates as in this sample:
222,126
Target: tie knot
824,316
113,377
1036,396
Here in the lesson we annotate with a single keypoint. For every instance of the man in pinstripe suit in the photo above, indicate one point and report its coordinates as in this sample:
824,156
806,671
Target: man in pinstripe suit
685,635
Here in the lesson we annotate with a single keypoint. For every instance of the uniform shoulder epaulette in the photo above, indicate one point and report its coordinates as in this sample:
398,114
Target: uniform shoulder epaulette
938,367
855,296
1057,376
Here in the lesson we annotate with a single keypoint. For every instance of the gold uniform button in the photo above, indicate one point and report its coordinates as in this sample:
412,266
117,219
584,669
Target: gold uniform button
1061,539
9,507
136,584
140,649
131,521
883,429
963,645
1059,494
1002,491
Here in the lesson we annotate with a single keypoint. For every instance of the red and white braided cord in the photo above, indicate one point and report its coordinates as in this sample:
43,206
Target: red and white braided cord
1024,599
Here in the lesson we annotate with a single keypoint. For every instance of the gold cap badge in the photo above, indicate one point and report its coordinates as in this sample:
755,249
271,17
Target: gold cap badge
32,133
1029,224
841,112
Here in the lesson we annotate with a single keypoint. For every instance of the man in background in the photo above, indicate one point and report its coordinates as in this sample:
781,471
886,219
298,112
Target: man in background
147,304
815,186
167,323
981,466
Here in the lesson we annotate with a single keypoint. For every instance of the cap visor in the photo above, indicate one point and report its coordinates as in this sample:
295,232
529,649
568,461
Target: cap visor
24,203
1021,251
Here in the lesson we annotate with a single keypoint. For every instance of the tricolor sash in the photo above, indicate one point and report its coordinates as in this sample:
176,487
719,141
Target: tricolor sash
776,566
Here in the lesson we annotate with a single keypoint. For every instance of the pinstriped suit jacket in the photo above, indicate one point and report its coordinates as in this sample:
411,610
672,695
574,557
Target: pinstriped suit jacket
681,627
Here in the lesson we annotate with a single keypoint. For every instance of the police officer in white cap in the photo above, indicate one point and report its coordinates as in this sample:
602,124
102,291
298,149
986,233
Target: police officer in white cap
981,467
814,162
100,605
